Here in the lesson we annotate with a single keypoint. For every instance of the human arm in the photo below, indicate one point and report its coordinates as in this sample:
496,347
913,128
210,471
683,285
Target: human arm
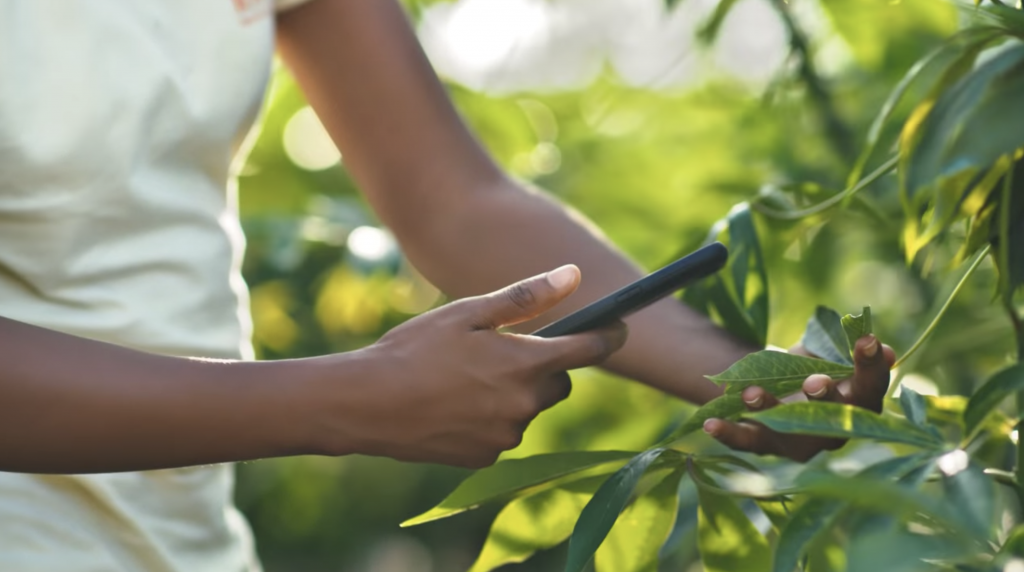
462,222
445,387
468,227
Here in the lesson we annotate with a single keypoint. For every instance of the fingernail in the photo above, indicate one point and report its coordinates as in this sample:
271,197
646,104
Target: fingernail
709,426
562,277
755,402
822,382
872,348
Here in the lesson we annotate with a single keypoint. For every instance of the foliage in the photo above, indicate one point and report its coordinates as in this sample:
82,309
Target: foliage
924,497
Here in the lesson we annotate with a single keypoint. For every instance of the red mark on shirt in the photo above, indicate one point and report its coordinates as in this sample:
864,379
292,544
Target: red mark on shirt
250,11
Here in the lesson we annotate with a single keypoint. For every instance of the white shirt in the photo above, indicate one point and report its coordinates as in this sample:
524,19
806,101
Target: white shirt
119,121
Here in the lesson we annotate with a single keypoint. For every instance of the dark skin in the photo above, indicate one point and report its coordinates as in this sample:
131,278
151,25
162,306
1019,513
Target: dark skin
446,387
364,72
867,389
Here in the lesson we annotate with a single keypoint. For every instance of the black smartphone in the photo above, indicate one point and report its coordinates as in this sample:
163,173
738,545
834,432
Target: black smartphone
642,293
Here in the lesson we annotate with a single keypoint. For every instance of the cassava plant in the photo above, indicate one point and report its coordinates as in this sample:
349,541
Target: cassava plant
930,501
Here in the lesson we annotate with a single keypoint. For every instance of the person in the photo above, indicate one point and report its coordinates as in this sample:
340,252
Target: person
124,337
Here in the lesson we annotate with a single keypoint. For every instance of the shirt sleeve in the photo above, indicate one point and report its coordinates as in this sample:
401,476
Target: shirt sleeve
282,5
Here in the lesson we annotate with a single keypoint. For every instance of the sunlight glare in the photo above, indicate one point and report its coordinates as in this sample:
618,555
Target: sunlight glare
370,243
953,462
307,143
484,32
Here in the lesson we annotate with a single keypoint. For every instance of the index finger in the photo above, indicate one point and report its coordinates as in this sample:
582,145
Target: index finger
584,349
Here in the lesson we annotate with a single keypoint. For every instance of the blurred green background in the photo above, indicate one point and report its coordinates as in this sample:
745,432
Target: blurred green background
652,122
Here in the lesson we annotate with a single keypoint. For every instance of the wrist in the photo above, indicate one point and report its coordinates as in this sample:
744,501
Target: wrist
335,398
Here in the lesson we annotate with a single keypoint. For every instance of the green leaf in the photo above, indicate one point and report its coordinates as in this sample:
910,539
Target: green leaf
897,550
971,493
857,327
739,294
777,512
1014,545
726,538
991,394
1008,237
885,497
809,519
826,338
926,75
817,515
728,406
734,317
745,256
913,406
534,522
502,480
843,421
968,128
768,368
638,535
600,514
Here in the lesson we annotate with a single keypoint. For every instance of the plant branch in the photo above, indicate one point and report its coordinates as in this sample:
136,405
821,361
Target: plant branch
839,133
945,307
878,173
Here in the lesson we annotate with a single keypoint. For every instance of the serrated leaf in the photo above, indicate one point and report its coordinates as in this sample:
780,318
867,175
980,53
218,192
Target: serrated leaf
972,495
638,535
843,421
987,397
728,406
857,327
913,406
726,538
769,368
600,514
535,522
825,336
504,479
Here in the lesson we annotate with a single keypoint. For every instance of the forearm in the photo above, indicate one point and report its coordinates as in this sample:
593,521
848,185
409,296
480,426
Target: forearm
459,219
503,233
73,405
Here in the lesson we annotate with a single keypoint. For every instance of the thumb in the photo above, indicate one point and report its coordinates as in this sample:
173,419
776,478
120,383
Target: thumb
523,300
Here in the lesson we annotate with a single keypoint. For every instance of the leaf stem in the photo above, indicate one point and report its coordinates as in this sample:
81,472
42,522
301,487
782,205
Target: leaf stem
878,173
942,311
1002,477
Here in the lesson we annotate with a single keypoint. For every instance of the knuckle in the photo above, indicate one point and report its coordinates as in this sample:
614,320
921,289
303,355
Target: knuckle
520,295
526,408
